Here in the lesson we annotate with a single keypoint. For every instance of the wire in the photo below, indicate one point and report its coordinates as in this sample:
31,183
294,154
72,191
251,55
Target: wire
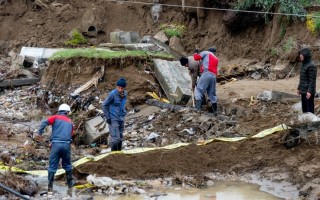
209,8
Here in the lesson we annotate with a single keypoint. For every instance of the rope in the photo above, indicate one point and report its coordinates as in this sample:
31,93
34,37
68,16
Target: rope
212,8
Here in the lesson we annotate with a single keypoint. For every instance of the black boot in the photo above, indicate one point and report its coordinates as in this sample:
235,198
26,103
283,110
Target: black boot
70,182
114,147
215,109
119,146
50,181
198,105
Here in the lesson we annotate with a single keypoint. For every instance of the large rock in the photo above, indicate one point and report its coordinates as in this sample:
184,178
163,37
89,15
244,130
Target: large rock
97,130
175,43
149,39
276,96
161,36
174,80
120,37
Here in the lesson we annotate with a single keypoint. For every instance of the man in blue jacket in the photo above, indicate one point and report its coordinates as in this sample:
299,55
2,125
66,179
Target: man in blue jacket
114,112
61,138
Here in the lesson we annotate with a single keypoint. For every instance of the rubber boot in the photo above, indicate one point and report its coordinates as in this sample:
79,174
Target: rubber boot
120,146
198,105
50,181
215,109
114,147
70,182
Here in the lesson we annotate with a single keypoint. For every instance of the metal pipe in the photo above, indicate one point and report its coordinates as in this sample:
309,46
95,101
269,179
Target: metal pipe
13,192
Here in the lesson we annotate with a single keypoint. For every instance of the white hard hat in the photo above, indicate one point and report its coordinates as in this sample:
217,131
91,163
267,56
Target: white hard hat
64,107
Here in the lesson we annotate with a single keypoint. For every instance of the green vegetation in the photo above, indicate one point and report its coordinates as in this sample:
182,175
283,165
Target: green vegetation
285,6
274,52
173,29
76,39
104,54
313,23
289,45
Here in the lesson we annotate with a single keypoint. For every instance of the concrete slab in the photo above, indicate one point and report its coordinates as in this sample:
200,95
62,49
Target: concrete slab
121,37
41,53
174,80
135,46
96,129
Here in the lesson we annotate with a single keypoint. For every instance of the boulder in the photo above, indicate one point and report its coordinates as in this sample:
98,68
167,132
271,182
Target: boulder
97,131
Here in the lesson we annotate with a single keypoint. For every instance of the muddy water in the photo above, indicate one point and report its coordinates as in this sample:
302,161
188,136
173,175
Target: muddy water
230,190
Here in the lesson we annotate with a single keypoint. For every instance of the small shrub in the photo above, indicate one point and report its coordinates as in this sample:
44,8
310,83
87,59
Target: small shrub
173,30
289,45
76,38
274,52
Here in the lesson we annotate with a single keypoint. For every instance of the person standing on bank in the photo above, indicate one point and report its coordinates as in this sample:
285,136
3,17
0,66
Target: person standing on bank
307,84
61,138
114,112
208,78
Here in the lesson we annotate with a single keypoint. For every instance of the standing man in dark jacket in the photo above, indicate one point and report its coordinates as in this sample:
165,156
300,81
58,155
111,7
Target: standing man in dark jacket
307,83
114,112
61,138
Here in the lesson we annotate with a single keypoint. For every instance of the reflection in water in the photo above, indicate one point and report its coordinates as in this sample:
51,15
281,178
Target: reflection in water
230,190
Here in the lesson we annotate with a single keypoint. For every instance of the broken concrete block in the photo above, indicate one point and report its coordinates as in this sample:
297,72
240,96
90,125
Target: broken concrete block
34,52
120,37
174,80
96,129
265,96
256,75
308,117
275,95
161,36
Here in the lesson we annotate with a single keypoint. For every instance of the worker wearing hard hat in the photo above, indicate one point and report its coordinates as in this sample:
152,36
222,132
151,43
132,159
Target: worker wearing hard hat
61,138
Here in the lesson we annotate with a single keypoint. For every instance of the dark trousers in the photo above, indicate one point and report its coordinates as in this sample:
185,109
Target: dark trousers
307,104
60,150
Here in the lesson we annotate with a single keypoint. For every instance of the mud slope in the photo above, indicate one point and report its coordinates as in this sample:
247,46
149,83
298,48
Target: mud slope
302,162
23,23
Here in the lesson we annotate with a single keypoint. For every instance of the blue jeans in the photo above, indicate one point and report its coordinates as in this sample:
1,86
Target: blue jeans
206,83
116,129
60,150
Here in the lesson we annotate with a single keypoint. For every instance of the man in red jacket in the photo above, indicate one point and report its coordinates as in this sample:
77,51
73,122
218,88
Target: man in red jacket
208,78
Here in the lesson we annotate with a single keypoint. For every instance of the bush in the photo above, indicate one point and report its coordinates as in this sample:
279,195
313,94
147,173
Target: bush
285,6
313,23
76,38
173,30
289,45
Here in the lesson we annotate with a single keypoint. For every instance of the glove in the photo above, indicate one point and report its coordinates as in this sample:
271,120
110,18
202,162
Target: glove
38,138
196,51
109,121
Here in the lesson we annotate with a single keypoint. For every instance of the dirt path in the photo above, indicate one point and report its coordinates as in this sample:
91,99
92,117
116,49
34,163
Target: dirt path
248,87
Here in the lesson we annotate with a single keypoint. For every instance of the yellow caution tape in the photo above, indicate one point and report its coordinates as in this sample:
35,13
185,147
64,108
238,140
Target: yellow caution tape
141,150
234,139
84,186
271,130
155,96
